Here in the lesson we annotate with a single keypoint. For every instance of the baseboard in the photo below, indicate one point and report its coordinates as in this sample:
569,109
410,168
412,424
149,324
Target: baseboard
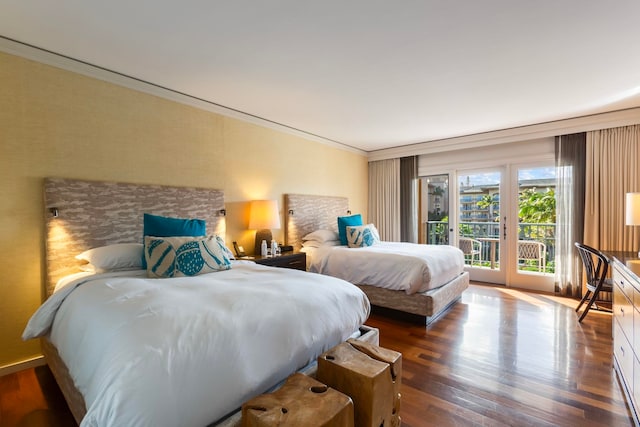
20,366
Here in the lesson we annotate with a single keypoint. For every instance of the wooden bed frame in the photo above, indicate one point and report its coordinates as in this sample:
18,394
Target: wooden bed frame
307,213
80,215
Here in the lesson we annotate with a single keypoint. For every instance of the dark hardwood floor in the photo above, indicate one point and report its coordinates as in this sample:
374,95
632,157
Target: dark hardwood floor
500,357
503,357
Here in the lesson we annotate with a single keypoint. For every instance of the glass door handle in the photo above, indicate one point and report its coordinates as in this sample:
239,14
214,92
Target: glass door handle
504,228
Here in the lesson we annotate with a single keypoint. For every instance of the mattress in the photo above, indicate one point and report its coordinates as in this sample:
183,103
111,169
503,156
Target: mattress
188,351
408,267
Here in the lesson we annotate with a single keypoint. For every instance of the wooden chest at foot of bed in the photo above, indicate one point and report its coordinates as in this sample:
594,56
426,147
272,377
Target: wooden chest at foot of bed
301,401
370,375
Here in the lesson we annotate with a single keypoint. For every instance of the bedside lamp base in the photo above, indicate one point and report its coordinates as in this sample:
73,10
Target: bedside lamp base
264,234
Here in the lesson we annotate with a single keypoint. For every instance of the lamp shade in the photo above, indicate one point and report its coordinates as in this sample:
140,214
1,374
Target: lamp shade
263,214
632,209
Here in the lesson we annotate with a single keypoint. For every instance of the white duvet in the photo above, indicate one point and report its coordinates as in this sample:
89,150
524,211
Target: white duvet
188,351
409,267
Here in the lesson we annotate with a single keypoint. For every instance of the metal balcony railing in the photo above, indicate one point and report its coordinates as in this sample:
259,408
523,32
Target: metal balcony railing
437,233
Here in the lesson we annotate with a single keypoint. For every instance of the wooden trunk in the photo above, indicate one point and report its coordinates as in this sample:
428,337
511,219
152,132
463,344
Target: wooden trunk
301,401
370,375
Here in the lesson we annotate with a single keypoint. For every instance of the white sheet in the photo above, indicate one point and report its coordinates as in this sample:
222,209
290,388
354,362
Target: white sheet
392,265
188,351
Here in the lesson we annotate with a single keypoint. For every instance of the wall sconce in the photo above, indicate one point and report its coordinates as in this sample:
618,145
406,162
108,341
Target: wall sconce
54,212
348,211
222,212
291,212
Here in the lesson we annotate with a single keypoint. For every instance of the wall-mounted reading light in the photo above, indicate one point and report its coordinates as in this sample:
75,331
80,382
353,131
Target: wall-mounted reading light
349,212
291,212
54,212
222,212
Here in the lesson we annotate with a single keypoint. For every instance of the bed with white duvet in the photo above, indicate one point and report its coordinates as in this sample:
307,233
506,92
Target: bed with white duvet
415,279
397,266
190,350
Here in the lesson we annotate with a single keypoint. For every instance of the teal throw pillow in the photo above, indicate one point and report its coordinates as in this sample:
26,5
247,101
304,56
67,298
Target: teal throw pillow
163,226
343,222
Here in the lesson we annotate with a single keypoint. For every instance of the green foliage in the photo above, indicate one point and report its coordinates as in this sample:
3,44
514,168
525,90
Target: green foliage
537,207
487,202
437,191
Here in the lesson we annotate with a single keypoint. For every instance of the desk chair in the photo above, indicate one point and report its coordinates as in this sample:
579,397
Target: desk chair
596,266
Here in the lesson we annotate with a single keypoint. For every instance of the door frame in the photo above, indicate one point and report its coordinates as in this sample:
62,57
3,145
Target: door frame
497,275
517,278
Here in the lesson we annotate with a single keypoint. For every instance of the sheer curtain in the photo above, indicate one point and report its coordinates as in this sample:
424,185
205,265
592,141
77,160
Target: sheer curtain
384,198
570,152
409,199
612,171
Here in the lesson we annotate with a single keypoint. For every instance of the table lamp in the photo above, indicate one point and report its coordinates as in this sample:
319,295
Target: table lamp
263,216
632,210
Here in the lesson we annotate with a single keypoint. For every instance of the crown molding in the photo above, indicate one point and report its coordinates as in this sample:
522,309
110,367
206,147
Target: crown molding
523,133
53,59
592,122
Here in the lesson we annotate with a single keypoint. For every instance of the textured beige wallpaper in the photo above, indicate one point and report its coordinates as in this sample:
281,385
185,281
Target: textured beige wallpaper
57,123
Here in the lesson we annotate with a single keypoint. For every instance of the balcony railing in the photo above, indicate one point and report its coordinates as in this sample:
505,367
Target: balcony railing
488,233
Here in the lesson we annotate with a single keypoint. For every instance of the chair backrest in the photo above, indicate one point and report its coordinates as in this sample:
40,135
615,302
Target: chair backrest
466,245
595,263
530,249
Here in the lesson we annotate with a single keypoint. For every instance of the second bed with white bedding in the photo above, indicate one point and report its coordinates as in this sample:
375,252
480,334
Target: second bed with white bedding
391,265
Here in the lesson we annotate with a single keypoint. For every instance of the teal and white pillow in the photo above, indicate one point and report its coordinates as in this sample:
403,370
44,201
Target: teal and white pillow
227,251
359,236
184,256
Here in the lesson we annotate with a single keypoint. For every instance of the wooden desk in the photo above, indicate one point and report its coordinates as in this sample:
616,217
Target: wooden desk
626,325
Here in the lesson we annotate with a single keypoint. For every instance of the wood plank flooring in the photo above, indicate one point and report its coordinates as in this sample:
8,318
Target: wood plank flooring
503,357
500,357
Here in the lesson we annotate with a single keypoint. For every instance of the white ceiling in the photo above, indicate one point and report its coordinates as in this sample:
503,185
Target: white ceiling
370,74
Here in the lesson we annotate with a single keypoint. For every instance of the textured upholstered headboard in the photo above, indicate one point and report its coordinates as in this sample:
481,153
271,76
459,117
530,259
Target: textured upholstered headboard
93,214
306,213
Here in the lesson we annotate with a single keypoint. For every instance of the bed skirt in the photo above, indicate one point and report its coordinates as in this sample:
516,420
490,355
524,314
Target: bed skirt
430,304
76,402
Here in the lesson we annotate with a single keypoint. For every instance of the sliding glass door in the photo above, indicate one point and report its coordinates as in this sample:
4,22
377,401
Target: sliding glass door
506,224
481,222
434,210
535,208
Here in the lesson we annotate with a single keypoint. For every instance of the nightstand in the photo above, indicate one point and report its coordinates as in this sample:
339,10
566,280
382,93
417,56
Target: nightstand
294,260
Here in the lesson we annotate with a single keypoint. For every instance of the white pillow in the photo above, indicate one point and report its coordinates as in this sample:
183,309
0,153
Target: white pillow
120,256
321,236
315,244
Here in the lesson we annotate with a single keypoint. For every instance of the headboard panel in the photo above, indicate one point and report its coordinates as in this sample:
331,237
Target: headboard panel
93,214
311,213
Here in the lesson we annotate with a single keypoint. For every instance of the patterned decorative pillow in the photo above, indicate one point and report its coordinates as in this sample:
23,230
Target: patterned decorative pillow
227,251
184,256
359,236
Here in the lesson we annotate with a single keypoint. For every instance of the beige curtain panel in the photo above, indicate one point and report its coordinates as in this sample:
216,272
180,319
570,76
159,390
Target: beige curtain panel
611,172
384,198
